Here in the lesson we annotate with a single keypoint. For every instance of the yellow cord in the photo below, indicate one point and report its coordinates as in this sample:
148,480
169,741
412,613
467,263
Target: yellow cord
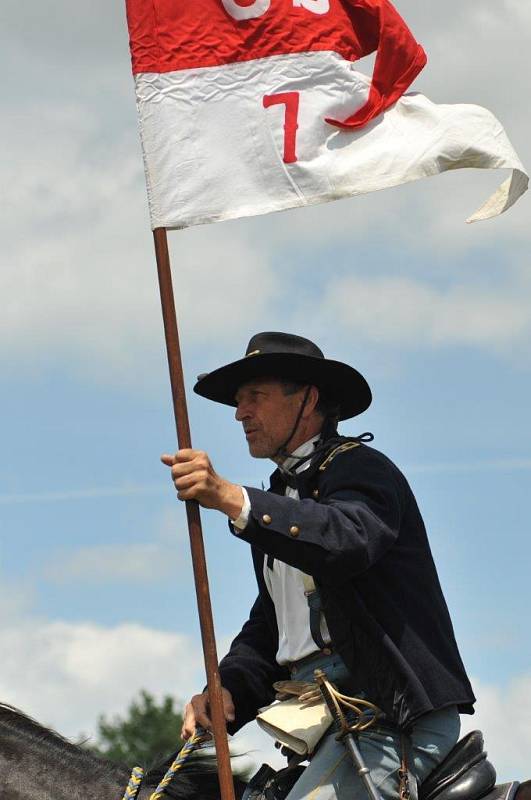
137,774
198,738
134,784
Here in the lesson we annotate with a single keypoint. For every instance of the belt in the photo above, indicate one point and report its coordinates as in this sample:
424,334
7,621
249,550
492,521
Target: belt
294,666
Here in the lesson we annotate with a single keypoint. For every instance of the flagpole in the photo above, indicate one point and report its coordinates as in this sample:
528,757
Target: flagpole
193,515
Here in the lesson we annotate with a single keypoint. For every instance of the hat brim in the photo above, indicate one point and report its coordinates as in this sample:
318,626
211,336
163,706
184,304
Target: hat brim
338,382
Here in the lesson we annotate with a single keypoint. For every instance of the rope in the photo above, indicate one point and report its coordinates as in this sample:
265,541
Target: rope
134,784
336,702
197,739
137,774
360,708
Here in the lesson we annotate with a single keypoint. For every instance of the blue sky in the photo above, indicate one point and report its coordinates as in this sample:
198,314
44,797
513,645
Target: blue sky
94,562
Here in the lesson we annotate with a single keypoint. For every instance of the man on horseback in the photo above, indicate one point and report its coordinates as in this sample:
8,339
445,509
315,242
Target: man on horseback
346,580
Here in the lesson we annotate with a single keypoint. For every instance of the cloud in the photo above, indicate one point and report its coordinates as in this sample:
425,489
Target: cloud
79,494
504,715
114,563
16,601
66,674
131,562
474,52
404,312
78,274
81,284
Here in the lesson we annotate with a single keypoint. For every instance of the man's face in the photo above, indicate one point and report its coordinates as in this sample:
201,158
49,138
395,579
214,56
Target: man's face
267,415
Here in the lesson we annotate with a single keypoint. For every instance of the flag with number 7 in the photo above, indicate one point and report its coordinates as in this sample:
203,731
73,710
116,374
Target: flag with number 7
253,106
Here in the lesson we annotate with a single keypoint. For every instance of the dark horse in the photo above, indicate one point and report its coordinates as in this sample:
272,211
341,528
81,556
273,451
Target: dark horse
38,764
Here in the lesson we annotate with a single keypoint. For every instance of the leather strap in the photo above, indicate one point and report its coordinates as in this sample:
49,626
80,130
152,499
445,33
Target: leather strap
403,772
316,607
407,781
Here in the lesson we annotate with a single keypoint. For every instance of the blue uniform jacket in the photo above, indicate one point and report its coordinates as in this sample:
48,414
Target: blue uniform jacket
358,531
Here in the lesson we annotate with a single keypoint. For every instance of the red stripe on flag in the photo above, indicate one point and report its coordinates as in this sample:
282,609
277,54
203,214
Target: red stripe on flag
173,35
399,59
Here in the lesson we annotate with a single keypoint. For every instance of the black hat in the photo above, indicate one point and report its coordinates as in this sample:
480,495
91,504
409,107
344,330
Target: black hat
291,358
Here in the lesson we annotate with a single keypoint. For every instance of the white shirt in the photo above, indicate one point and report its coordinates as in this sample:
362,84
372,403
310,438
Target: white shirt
285,584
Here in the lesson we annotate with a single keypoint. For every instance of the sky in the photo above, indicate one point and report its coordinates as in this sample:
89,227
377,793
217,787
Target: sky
96,591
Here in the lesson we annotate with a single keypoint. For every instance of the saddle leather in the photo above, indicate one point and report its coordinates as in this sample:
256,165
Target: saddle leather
465,773
504,791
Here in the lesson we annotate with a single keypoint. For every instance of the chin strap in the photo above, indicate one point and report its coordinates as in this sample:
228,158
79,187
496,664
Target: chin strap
282,452
328,431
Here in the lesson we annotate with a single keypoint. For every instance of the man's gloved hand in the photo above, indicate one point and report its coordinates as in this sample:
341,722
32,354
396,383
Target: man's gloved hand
308,693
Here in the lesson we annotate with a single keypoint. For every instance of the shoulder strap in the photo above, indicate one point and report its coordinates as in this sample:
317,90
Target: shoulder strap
335,445
341,448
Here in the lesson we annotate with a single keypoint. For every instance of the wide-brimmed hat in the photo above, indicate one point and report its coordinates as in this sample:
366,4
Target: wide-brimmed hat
292,358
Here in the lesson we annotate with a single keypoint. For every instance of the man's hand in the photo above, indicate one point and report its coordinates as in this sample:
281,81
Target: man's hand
197,711
195,479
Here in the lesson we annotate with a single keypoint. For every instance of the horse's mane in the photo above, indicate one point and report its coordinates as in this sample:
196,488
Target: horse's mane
196,780
30,735
14,719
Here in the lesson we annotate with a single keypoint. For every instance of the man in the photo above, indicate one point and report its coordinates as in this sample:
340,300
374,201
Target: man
345,575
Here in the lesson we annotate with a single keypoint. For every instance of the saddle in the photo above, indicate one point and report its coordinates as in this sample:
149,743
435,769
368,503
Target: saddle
466,774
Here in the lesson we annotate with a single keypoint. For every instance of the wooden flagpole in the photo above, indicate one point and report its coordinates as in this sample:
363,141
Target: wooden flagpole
194,519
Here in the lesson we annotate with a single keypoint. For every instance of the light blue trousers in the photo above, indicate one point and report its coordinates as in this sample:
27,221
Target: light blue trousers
331,774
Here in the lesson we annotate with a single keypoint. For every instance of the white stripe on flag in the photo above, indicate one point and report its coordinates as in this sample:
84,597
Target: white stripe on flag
250,138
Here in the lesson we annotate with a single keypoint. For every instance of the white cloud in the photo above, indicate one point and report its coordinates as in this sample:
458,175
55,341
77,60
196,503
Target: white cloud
82,284
79,494
114,563
16,600
474,52
504,715
65,674
78,276
126,562
406,312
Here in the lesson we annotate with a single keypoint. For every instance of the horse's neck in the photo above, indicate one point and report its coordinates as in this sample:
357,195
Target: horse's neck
33,768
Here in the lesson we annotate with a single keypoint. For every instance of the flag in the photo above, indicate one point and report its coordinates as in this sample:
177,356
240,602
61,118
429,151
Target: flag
252,106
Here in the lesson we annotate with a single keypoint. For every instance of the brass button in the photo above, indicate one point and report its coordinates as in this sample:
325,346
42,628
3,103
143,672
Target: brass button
294,530
266,519
315,493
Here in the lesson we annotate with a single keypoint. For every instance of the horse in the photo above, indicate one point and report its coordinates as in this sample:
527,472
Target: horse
36,763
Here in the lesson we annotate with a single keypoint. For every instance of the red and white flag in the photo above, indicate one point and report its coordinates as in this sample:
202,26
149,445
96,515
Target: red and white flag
252,106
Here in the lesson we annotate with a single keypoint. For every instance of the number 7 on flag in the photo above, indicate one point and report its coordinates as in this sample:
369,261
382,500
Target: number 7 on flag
291,101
